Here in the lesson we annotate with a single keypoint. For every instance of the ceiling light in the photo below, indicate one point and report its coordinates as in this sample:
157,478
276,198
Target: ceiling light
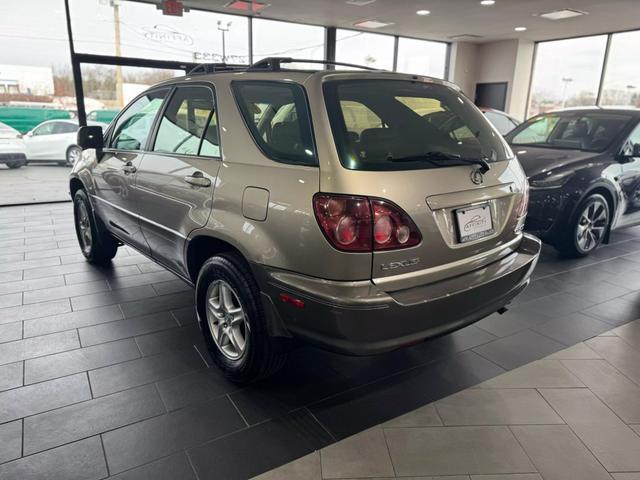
487,3
562,14
520,29
371,24
247,5
423,12
359,3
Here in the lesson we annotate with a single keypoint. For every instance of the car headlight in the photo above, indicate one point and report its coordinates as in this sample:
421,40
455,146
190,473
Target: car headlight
550,180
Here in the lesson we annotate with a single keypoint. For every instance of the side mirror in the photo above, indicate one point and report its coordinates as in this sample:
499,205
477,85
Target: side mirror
90,137
636,150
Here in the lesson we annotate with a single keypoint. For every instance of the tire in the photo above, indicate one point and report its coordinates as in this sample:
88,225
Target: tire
14,165
73,155
260,356
587,228
97,245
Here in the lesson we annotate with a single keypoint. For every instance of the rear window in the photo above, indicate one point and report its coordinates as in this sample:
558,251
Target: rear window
277,116
405,125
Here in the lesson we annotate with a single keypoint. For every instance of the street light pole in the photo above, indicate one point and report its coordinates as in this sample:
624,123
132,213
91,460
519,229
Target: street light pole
566,81
119,82
224,29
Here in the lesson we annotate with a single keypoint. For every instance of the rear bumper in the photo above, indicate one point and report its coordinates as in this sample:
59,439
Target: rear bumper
360,319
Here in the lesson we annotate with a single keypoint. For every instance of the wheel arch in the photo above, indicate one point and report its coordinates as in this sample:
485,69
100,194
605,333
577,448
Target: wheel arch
201,247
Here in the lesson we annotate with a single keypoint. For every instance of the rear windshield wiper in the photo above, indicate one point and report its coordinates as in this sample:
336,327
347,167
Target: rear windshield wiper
442,156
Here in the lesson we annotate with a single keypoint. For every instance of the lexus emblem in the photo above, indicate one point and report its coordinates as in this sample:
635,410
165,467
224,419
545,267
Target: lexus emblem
477,177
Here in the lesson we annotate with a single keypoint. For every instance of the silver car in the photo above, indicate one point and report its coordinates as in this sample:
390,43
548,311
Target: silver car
334,207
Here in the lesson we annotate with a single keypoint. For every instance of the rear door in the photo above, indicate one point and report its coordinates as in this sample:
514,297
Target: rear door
116,197
176,179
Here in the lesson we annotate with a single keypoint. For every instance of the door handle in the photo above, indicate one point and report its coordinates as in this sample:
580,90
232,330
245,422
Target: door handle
129,168
197,180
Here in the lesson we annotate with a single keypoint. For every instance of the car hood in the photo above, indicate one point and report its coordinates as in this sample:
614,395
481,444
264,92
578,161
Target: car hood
536,160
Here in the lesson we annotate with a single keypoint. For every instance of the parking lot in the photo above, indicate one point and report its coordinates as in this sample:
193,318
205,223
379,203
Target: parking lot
34,183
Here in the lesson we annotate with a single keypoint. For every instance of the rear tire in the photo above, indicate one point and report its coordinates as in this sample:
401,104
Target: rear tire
233,321
587,228
14,165
97,245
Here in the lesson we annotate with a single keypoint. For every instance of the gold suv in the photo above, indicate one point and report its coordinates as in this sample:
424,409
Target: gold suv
360,211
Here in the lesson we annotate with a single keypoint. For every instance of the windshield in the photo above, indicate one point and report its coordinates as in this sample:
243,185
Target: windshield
590,132
404,125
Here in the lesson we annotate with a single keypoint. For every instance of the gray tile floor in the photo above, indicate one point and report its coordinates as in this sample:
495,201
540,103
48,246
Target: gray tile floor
103,373
572,415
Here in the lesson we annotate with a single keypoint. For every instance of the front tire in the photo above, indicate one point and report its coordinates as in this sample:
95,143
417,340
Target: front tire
97,246
233,320
14,165
588,227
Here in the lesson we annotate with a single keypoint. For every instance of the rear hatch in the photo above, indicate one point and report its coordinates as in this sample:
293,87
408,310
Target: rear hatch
425,148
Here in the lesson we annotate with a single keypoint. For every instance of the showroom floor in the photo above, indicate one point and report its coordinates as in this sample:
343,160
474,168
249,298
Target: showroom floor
102,371
572,415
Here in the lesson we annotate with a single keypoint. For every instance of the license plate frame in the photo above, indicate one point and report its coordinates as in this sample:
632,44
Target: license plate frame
474,222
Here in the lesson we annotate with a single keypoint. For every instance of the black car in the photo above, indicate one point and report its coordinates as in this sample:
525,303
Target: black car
583,166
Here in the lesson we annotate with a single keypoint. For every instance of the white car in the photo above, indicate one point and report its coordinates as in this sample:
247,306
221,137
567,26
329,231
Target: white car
12,149
54,141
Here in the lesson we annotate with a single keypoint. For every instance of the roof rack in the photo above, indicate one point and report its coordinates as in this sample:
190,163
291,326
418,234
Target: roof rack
274,64
204,68
269,64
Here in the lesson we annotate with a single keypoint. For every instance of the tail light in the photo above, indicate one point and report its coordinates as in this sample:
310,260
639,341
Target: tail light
361,224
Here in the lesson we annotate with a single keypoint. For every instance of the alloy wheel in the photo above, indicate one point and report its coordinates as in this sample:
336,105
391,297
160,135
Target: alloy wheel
73,156
84,226
591,226
227,319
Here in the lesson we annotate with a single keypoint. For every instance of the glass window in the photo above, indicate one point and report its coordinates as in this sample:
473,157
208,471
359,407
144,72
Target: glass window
184,121
367,49
502,123
422,57
45,129
283,39
592,132
567,73
277,116
133,126
144,32
412,125
110,88
622,78
64,127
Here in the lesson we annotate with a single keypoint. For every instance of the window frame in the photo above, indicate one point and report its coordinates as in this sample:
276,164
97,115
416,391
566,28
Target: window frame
255,135
156,126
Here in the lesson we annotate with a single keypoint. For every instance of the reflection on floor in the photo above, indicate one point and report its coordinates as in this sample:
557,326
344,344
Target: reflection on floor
102,371
573,415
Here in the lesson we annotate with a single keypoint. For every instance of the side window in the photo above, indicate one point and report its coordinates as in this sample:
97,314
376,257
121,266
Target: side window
277,116
46,129
188,125
502,123
133,126
634,139
64,127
